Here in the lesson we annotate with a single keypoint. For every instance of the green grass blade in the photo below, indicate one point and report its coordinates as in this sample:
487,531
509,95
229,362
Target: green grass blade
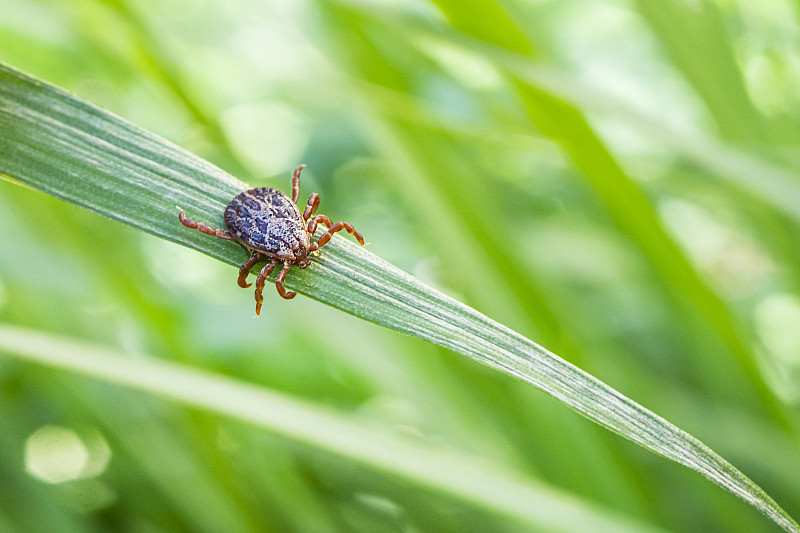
776,185
465,477
630,209
695,37
71,149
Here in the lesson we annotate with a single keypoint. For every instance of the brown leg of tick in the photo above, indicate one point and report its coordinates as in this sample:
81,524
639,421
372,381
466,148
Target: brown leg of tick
244,270
312,225
311,206
339,226
208,230
296,184
261,280
279,281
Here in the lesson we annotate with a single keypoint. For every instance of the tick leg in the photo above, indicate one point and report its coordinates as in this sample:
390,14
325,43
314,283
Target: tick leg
261,280
339,226
296,183
199,226
312,225
279,281
244,270
311,206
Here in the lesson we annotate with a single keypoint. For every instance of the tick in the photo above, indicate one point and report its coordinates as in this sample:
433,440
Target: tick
270,226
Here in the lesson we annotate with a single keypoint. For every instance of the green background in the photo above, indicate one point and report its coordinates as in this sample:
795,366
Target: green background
614,180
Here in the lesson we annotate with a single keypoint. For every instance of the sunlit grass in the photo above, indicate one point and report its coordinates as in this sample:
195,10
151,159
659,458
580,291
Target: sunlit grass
394,106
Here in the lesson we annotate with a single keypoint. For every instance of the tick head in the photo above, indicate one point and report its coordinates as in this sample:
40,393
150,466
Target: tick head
302,258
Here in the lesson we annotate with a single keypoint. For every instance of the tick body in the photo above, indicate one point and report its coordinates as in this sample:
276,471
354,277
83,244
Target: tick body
271,228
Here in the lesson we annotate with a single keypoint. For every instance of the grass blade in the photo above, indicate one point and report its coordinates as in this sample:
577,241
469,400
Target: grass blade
468,478
630,209
73,150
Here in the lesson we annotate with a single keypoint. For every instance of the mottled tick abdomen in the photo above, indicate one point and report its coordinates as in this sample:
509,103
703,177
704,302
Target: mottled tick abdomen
266,220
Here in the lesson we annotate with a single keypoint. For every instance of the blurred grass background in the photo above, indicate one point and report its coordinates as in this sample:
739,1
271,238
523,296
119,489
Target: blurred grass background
615,180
